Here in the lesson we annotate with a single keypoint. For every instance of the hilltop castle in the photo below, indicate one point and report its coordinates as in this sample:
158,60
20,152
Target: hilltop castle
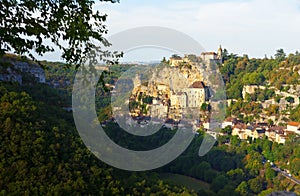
208,57
205,57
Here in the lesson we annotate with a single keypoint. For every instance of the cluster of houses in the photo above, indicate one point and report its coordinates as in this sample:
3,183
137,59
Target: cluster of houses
167,103
277,134
292,92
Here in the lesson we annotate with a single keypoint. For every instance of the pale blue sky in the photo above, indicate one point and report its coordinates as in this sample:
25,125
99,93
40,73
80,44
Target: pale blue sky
254,27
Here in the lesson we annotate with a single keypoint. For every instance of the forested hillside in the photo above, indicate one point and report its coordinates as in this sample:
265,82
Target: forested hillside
243,70
277,83
42,153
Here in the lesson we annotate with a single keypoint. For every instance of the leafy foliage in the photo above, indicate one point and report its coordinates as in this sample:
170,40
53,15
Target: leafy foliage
238,71
71,26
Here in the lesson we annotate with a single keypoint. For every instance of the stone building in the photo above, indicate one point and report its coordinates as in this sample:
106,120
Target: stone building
293,127
179,99
196,94
175,61
250,89
211,57
159,110
206,57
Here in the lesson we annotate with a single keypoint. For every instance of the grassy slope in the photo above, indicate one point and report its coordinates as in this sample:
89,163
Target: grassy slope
181,180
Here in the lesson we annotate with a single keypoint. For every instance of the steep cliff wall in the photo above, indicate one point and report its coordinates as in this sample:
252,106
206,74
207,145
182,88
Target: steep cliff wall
13,69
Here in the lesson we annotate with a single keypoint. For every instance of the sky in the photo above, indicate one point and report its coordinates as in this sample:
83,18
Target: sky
253,27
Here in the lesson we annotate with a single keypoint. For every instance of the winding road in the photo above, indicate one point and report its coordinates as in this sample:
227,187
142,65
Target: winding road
286,175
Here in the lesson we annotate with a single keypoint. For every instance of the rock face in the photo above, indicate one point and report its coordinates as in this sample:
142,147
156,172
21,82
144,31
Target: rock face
250,89
33,69
171,92
12,70
177,79
8,74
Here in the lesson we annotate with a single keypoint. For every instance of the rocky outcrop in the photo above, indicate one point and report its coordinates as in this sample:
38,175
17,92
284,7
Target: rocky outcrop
33,69
250,89
8,74
12,70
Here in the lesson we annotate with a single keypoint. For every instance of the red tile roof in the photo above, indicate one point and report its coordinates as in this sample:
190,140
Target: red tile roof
295,124
198,84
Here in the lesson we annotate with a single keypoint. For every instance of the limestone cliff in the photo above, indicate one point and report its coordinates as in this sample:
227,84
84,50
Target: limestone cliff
12,69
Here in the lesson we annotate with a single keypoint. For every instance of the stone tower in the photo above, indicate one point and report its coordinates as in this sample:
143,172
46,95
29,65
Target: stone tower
220,53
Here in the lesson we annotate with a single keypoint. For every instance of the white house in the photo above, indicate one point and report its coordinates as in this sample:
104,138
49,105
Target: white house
196,94
293,127
211,125
228,122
